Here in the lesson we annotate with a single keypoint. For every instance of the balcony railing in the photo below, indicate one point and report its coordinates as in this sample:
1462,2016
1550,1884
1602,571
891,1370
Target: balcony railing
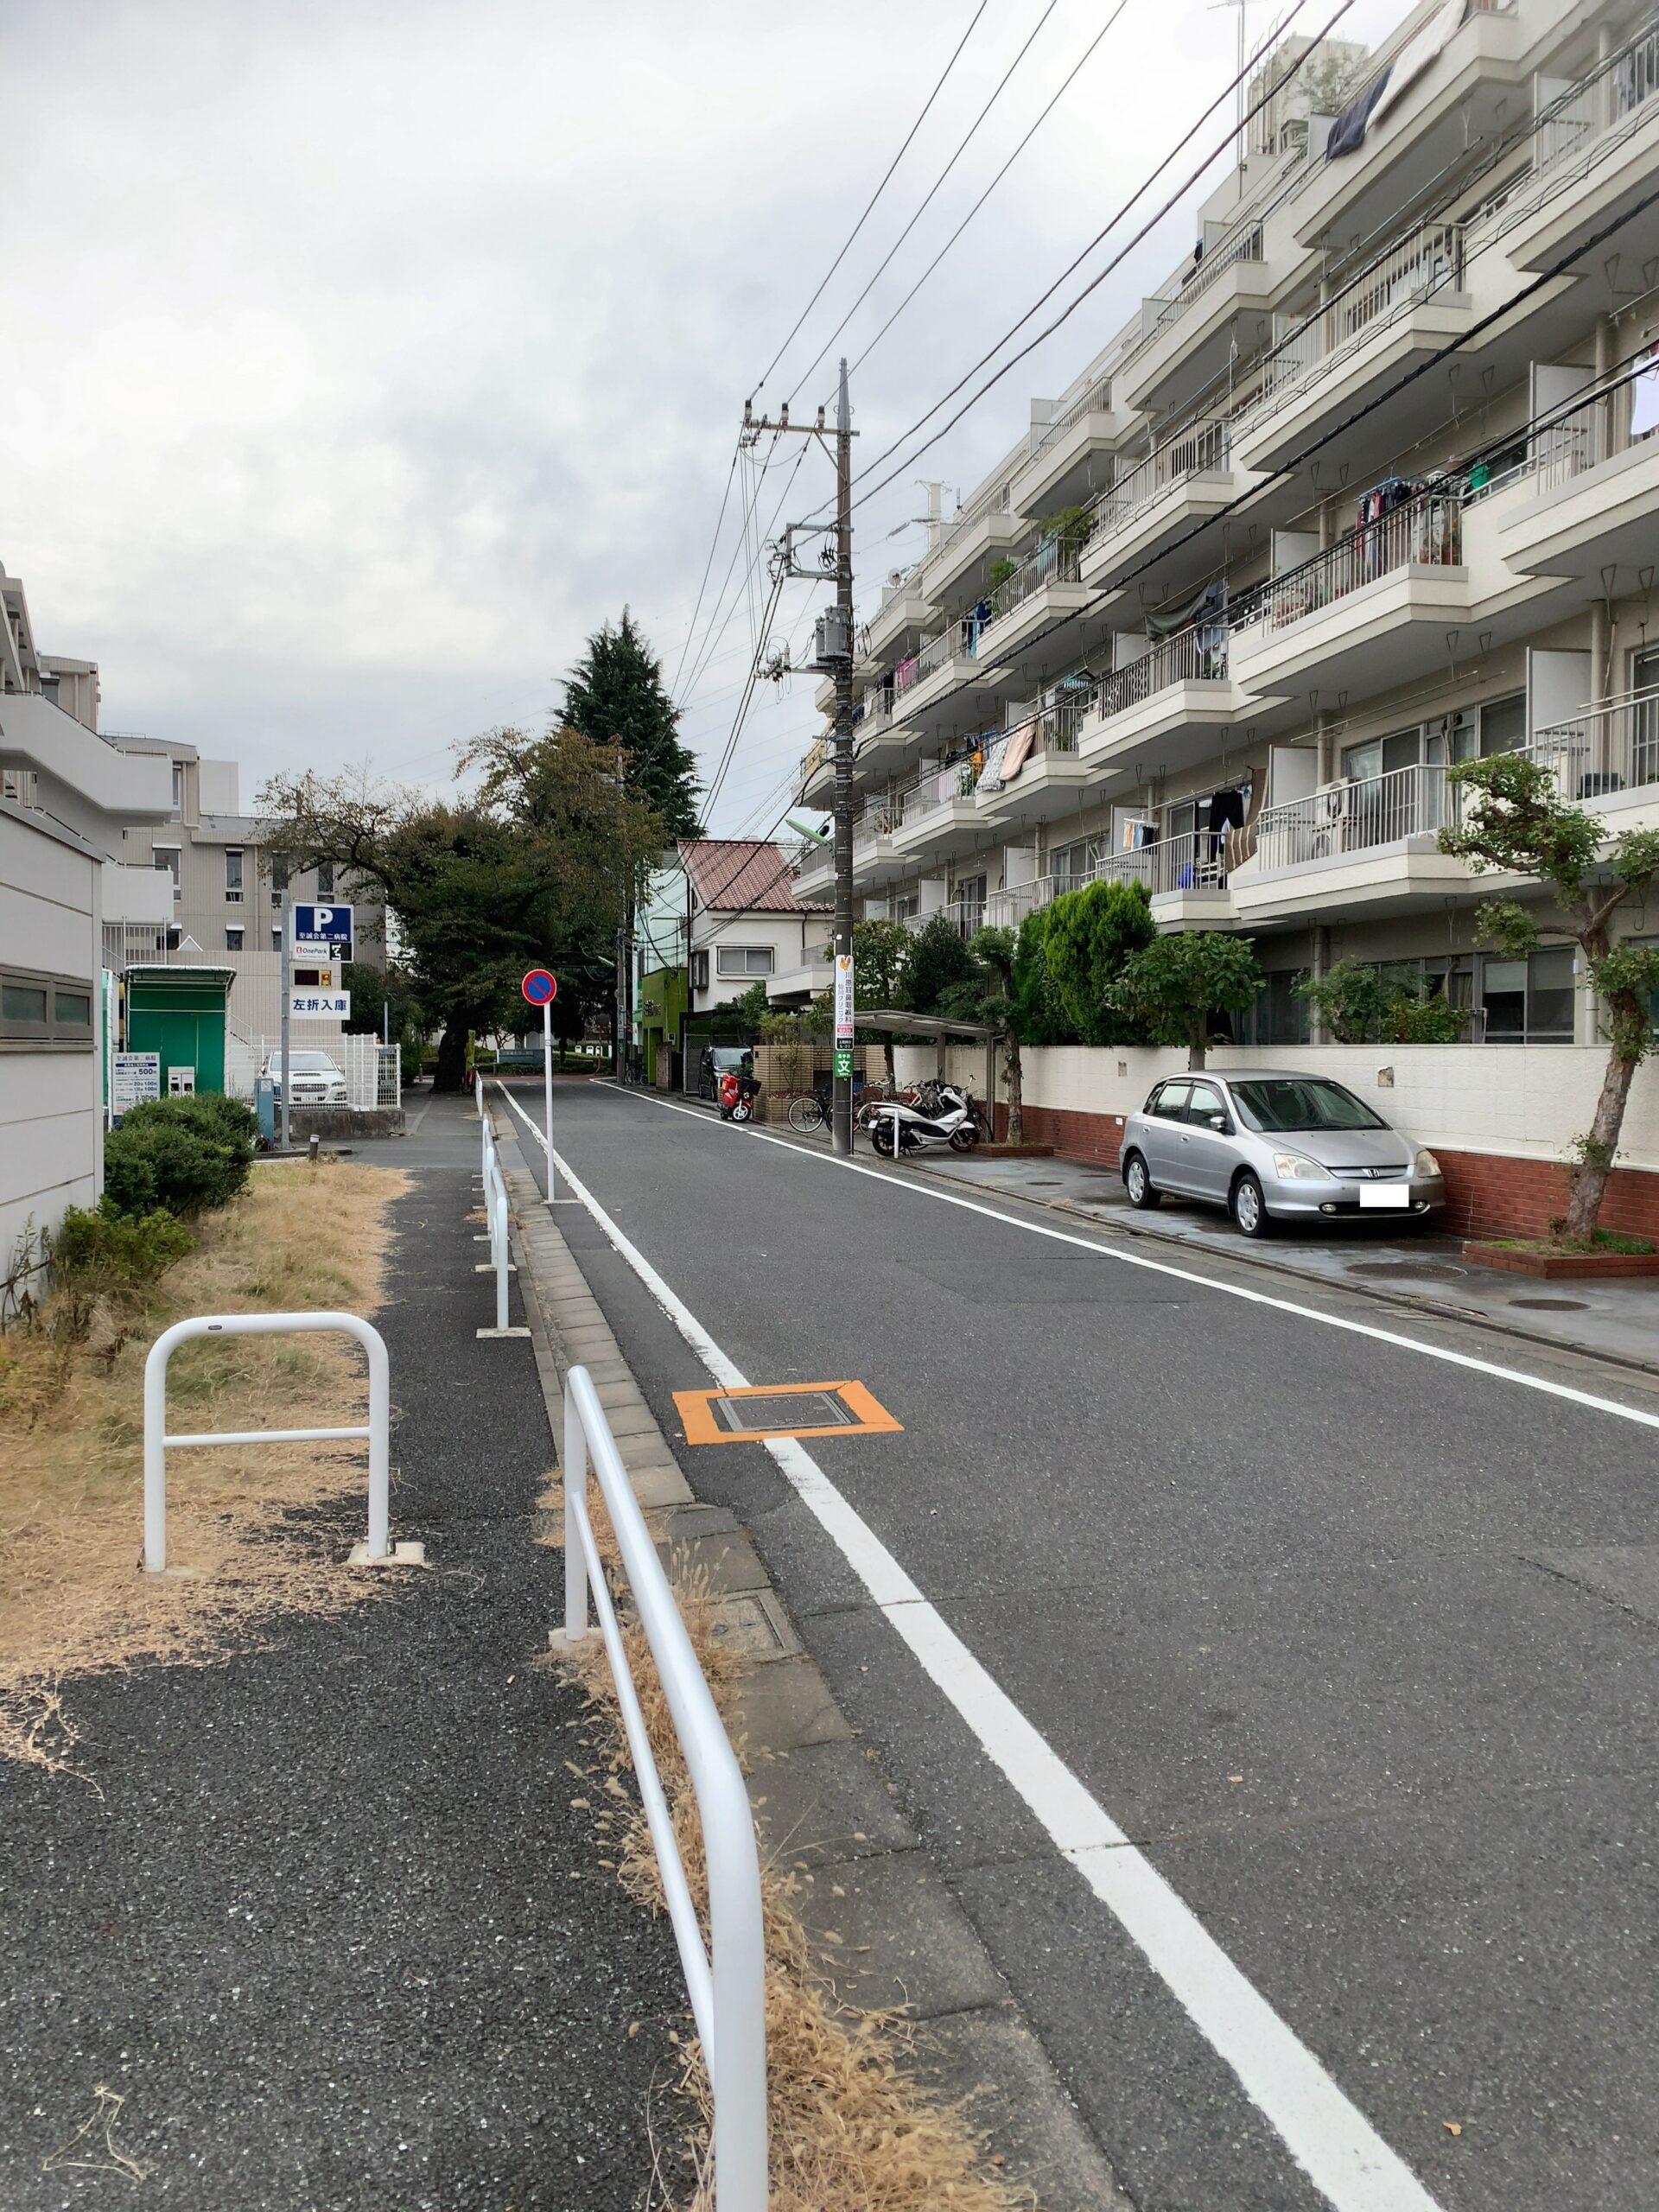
1426,531
938,651
1197,654
1354,817
1054,561
1095,401
1167,305
1201,448
1615,89
1610,746
1196,860
1427,259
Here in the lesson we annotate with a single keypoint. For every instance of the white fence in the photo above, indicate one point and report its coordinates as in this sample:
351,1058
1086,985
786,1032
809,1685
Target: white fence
374,1071
727,1982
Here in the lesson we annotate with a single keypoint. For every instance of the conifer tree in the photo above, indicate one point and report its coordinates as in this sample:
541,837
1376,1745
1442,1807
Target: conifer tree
615,696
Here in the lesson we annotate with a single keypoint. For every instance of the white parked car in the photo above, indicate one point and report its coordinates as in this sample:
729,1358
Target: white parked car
318,1080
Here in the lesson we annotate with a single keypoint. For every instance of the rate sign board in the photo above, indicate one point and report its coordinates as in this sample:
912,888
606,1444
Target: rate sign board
133,1077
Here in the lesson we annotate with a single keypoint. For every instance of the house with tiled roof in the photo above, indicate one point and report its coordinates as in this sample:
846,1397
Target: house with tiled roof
745,924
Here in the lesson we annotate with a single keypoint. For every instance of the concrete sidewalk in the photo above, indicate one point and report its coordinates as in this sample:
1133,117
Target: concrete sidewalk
330,1921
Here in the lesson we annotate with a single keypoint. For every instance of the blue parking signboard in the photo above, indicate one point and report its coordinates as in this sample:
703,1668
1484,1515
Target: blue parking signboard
322,925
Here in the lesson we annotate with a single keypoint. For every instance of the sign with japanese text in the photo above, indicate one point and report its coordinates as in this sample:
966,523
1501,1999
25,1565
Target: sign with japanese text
330,926
133,1076
844,998
319,1005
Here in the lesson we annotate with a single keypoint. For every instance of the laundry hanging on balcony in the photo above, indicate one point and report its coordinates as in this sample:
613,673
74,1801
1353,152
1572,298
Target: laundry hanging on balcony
1348,131
1410,63
1210,601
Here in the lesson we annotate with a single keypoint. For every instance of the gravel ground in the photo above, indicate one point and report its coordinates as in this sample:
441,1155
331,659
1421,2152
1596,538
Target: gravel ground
330,1924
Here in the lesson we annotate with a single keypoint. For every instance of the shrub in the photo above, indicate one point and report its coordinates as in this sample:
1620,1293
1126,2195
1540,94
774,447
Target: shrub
936,959
1430,1019
1091,934
180,1153
107,1246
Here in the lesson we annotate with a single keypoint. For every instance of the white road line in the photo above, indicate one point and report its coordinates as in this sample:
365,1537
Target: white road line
891,1181
1329,2138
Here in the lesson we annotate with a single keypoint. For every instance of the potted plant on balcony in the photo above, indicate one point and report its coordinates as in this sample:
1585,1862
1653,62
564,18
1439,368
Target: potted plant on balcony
1516,822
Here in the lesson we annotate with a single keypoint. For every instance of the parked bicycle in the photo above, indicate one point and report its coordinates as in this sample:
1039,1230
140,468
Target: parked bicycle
814,1109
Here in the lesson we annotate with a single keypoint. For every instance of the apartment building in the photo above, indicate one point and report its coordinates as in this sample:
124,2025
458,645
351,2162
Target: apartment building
64,792
1369,485
224,902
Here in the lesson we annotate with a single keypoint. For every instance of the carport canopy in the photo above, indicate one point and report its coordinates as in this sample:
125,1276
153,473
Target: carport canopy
941,1030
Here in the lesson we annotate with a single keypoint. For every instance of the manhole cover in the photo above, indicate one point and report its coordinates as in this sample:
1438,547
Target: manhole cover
1407,1270
789,1409
1551,1305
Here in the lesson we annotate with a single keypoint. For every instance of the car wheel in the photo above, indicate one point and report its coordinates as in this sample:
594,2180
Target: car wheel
1249,1208
1138,1183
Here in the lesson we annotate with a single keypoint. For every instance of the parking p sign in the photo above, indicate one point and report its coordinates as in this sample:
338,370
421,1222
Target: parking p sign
323,925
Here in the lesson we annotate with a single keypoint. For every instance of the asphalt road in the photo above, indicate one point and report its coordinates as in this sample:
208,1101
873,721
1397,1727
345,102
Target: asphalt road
1358,1647
325,1915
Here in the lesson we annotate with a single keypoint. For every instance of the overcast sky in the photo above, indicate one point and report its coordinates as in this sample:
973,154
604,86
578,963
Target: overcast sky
359,359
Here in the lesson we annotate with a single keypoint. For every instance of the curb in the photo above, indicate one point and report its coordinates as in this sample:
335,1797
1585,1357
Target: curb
825,1810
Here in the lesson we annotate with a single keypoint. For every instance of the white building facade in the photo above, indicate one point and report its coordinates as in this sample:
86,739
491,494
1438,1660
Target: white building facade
1370,488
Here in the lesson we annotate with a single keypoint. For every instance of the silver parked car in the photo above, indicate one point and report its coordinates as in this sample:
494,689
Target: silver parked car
1272,1146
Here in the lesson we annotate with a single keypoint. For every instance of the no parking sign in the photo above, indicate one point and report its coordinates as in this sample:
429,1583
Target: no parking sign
540,987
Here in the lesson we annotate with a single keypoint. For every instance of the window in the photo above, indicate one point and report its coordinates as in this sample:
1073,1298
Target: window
1076,864
1504,725
1206,1101
44,1010
178,791
743,960
1313,1102
1279,1016
233,876
700,971
166,859
1169,1104
1529,1002
325,878
276,938
232,939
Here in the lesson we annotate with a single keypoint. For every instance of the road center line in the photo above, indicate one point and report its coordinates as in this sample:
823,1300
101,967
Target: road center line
1329,2138
895,1182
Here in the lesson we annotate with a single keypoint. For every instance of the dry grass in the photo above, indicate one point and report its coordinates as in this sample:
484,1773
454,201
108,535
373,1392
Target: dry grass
73,1601
851,2128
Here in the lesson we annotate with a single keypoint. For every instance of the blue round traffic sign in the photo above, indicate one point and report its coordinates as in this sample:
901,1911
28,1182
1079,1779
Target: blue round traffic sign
540,987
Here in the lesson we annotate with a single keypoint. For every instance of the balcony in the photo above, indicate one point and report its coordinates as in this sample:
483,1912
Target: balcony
814,873
874,859
967,544
1358,846
1180,484
1402,305
1179,693
1369,612
1592,491
36,735
1189,329
1043,589
1595,148
903,610
1065,452
1606,755
937,816
1185,878
1047,771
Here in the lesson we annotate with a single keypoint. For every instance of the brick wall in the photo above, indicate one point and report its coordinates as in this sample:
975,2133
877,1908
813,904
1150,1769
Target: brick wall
1488,1193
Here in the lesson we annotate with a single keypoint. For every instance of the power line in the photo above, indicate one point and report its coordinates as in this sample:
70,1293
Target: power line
962,148
697,674
714,544
1065,84
874,196
1151,224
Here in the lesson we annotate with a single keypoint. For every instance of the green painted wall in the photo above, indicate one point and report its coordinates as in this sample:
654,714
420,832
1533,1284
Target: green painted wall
670,988
182,1018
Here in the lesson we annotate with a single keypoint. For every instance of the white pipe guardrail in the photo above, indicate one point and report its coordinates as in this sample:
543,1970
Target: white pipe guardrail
495,1213
157,1442
727,1982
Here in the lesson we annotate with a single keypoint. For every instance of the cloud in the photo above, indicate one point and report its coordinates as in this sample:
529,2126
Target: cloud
361,358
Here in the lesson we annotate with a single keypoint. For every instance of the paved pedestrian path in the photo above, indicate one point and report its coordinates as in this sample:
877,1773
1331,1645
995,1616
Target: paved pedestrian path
329,1922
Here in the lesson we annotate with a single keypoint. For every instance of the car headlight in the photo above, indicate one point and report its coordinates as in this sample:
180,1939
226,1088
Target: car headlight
1425,1163
1295,1168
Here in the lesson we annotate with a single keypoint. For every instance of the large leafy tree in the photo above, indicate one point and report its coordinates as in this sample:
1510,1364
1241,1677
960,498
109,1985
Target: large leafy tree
1516,822
1169,989
935,959
533,866
1090,934
881,952
615,696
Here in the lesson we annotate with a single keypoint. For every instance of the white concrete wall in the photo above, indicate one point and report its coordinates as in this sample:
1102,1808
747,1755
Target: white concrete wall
795,939
51,1115
1526,1102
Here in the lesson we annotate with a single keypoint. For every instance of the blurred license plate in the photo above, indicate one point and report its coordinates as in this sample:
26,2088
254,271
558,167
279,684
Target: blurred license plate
1397,1195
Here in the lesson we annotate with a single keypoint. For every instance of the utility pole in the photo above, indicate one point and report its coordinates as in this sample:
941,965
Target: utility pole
835,652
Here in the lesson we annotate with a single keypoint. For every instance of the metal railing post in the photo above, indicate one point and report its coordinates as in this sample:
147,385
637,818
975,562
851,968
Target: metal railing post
575,1498
501,1250
378,1431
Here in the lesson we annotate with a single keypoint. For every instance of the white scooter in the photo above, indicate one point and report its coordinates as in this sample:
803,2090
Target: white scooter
896,1128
